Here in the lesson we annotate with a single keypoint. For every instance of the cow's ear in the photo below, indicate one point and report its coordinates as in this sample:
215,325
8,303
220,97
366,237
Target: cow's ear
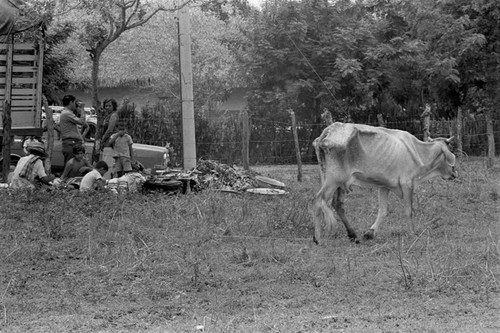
429,139
450,157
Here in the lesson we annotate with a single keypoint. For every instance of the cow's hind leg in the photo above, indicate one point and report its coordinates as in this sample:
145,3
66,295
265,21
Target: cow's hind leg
382,213
338,204
322,211
408,205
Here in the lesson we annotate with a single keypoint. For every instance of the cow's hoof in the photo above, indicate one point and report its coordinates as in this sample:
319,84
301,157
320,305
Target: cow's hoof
369,234
315,240
354,238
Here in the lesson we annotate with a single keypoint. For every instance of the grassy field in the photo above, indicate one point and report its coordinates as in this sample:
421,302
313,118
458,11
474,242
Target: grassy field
221,262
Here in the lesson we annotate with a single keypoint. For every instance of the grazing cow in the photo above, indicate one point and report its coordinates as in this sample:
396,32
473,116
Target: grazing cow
392,160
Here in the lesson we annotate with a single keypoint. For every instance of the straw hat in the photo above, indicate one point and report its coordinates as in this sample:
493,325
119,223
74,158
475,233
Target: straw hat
37,148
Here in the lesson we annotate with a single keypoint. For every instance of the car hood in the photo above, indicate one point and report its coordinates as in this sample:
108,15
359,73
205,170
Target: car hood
144,147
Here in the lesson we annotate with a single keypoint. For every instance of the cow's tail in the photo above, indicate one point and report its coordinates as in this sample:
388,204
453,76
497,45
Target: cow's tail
322,213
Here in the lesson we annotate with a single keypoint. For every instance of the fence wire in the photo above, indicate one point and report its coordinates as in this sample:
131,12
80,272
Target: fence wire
272,142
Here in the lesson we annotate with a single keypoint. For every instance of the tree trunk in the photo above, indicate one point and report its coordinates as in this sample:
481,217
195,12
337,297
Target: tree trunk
6,140
491,139
7,116
50,135
96,58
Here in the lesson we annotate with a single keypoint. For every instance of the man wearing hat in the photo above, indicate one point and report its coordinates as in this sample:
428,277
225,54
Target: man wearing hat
29,170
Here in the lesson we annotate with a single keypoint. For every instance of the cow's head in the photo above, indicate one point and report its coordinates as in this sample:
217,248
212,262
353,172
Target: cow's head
447,165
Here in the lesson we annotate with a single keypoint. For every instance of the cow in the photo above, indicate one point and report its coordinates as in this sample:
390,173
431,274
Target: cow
392,160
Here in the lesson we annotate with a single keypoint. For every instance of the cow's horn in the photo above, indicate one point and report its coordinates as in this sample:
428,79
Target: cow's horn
450,139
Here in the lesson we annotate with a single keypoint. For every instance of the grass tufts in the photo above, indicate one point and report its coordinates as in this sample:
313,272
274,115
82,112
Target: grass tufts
247,263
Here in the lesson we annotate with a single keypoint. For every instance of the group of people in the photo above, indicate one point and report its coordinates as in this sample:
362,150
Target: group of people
30,171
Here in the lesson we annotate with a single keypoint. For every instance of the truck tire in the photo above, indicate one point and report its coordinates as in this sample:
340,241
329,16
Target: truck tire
13,162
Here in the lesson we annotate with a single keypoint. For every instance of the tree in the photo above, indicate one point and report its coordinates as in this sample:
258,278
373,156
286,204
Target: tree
479,66
57,62
102,23
308,56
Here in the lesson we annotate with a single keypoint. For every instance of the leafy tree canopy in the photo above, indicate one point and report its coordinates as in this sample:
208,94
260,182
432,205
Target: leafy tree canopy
367,57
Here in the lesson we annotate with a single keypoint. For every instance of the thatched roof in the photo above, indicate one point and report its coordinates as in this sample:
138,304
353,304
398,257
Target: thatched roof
149,54
139,57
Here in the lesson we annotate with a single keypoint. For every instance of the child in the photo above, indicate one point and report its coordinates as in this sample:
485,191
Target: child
94,180
78,165
124,154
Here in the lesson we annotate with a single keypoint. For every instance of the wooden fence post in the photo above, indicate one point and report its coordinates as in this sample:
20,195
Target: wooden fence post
459,152
381,121
491,139
297,145
426,122
326,117
245,140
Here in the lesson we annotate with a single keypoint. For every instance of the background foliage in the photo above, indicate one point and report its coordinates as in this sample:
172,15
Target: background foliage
356,59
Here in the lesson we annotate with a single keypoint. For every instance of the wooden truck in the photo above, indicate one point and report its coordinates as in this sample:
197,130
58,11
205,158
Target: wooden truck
21,70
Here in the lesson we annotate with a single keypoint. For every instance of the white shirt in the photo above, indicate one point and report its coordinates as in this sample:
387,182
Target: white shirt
89,180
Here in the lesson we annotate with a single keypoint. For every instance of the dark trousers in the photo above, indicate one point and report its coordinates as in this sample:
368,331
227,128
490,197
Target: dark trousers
67,148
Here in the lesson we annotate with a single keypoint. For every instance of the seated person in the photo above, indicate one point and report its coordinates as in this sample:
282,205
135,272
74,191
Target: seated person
78,165
30,171
94,180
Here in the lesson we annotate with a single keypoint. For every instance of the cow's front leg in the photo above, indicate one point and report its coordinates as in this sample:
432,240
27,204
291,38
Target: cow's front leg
338,204
383,194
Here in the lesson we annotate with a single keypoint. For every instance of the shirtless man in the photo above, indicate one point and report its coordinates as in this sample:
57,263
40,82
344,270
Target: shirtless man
78,165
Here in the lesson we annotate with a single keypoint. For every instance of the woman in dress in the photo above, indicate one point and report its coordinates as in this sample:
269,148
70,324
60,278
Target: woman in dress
109,128
110,121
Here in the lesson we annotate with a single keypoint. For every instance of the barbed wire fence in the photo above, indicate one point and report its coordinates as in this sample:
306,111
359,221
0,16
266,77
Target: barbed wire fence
272,142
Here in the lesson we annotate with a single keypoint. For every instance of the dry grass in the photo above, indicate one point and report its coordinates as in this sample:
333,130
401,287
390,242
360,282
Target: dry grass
219,262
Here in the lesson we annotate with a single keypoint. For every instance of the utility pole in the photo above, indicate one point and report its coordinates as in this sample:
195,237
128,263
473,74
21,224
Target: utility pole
186,82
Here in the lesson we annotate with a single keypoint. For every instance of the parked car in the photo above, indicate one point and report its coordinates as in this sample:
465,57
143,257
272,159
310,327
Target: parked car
56,113
149,156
